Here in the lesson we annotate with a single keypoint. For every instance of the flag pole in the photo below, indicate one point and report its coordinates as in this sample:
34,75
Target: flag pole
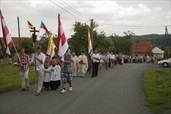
15,50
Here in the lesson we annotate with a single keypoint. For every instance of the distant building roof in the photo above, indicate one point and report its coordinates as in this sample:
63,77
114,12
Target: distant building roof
157,50
16,41
141,47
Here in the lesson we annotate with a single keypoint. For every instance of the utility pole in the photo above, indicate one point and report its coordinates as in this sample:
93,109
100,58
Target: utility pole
19,31
92,26
168,40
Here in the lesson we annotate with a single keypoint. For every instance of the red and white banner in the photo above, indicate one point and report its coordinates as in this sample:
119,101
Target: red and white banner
62,44
6,35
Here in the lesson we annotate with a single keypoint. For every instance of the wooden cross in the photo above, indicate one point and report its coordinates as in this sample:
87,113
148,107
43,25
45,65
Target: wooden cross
34,36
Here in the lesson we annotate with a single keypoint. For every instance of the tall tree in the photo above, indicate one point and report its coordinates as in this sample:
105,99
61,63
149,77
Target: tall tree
79,40
27,44
122,43
44,41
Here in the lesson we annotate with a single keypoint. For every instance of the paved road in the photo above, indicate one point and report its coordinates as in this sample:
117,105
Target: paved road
114,91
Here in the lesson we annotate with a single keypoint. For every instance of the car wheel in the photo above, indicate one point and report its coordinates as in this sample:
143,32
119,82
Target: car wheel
165,65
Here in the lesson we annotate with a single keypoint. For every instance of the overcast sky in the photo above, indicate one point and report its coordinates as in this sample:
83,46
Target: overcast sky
113,16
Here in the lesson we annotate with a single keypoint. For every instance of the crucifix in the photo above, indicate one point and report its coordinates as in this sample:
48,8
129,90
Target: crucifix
34,37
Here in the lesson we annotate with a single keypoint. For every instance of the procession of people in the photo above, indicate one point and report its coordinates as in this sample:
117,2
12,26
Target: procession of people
57,72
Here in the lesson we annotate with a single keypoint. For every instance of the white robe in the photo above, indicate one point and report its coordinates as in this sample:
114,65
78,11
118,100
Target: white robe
82,67
75,65
56,73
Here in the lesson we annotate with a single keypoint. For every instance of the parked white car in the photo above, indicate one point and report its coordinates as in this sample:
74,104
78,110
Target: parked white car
165,63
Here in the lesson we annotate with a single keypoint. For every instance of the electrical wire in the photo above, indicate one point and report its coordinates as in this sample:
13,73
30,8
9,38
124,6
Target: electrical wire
64,9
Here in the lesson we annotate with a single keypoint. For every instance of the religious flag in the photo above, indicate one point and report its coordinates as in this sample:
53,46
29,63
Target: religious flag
6,35
62,44
51,47
89,42
30,25
42,25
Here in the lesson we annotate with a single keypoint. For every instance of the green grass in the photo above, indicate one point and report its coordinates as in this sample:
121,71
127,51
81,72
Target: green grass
10,79
157,90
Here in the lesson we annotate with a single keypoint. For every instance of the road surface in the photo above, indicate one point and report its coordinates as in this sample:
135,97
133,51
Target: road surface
114,91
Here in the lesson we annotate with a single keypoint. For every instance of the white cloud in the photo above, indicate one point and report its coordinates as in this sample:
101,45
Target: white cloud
103,12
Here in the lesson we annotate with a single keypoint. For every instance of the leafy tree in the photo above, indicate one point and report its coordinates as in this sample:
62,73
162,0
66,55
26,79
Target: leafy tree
27,44
79,40
122,44
44,41
100,42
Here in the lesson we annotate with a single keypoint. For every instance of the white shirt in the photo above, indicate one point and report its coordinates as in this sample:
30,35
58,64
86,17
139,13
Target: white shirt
75,59
47,74
112,57
39,66
56,73
96,57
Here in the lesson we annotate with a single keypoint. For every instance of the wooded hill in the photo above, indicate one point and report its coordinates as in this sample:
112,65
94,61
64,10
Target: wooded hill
161,41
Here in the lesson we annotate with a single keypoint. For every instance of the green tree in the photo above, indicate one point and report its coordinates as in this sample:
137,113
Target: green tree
79,40
43,42
100,42
122,43
27,44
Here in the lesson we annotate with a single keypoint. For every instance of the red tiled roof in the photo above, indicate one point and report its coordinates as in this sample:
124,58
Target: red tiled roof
16,41
141,47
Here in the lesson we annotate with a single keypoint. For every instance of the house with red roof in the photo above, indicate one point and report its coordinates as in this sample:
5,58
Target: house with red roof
141,47
16,41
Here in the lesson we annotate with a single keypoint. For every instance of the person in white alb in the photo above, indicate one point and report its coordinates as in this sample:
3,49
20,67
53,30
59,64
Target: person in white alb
38,61
47,76
74,64
55,80
96,61
83,64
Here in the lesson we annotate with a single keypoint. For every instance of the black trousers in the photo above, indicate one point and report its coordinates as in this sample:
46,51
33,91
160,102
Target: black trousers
95,69
46,85
54,84
106,64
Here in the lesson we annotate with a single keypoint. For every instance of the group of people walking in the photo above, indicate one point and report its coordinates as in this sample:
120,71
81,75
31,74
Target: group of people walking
49,73
53,73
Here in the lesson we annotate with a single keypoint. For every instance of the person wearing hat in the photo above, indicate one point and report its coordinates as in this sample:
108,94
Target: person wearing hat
38,60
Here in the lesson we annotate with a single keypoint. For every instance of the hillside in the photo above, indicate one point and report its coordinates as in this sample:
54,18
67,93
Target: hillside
161,41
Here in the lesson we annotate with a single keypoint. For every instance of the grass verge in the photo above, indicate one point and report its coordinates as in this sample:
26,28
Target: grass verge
10,79
157,90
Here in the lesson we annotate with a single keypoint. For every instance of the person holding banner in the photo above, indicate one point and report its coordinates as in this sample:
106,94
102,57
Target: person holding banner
23,61
38,60
66,73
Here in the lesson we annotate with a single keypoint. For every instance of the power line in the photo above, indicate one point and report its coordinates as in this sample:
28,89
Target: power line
75,11
63,9
103,24
72,7
87,17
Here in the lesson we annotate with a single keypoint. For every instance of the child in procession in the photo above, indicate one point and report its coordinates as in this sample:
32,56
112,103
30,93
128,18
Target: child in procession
56,75
47,76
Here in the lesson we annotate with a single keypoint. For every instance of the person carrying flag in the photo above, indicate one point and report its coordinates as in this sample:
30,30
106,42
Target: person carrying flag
23,62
